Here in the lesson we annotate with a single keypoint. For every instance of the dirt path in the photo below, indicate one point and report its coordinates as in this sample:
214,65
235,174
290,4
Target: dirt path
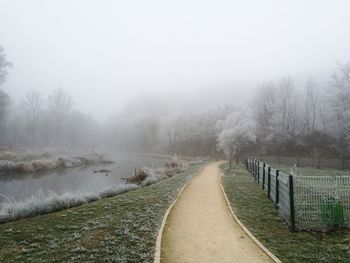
200,227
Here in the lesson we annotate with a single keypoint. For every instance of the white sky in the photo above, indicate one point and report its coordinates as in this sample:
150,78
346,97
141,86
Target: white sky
105,52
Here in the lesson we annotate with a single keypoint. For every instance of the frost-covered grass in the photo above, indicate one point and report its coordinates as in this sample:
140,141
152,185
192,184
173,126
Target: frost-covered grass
152,178
259,215
118,229
52,202
45,162
150,175
154,174
310,171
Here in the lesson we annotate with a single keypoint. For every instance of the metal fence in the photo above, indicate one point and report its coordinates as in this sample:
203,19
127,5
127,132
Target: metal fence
316,203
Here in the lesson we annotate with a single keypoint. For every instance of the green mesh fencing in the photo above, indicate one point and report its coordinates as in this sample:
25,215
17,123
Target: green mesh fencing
319,203
322,202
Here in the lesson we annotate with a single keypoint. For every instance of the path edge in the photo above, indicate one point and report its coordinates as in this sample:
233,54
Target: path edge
160,232
252,237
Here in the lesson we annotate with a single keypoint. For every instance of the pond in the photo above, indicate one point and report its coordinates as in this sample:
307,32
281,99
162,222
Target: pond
82,179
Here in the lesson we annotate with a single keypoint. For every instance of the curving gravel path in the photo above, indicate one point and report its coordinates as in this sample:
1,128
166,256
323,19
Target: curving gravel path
200,227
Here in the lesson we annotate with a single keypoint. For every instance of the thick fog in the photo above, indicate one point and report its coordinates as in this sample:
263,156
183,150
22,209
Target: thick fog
105,52
133,72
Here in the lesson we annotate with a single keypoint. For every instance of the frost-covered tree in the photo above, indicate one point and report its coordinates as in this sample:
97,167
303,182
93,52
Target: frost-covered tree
339,94
192,132
311,107
277,115
4,98
234,132
4,65
286,119
263,108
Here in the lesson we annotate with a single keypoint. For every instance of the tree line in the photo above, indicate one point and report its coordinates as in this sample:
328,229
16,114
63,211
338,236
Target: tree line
42,121
280,118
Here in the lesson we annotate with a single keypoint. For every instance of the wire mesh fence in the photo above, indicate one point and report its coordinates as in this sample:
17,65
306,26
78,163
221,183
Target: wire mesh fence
322,202
317,203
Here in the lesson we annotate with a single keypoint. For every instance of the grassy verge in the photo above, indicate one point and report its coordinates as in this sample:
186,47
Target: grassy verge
119,229
310,171
258,214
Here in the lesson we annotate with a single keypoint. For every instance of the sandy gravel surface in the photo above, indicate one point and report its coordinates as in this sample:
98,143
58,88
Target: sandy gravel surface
200,227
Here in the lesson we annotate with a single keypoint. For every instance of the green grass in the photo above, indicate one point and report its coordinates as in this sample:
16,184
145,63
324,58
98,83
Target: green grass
259,215
119,229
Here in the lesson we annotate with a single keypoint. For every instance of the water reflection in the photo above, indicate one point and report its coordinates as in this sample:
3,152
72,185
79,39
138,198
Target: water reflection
84,179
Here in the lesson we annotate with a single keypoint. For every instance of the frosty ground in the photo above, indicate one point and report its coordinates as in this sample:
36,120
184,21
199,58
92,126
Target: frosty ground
118,229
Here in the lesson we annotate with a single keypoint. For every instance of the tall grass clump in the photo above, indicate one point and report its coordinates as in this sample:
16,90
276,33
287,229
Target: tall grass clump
150,175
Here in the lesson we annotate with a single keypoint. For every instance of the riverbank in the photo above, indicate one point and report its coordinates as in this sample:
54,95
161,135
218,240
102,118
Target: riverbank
119,229
42,203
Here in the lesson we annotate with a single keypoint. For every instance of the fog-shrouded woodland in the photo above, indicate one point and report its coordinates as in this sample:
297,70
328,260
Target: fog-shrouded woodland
175,131
277,117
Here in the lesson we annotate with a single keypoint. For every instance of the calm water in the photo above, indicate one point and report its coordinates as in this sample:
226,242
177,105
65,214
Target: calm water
83,179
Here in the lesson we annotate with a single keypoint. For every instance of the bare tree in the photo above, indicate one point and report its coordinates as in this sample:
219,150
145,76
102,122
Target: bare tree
286,120
4,65
60,104
311,107
4,98
264,106
4,103
32,106
340,102
234,133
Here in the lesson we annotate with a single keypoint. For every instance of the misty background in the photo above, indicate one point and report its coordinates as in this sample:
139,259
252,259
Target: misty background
192,77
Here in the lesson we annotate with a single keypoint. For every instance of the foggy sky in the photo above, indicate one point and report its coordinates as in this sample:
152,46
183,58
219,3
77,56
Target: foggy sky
105,52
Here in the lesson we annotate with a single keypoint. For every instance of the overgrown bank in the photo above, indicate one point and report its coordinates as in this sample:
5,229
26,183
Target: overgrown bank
118,229
258,214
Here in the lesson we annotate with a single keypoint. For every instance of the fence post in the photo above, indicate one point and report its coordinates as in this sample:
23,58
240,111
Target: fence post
268,181
291,201
252,167
255,175
258,172
277,187
263,175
